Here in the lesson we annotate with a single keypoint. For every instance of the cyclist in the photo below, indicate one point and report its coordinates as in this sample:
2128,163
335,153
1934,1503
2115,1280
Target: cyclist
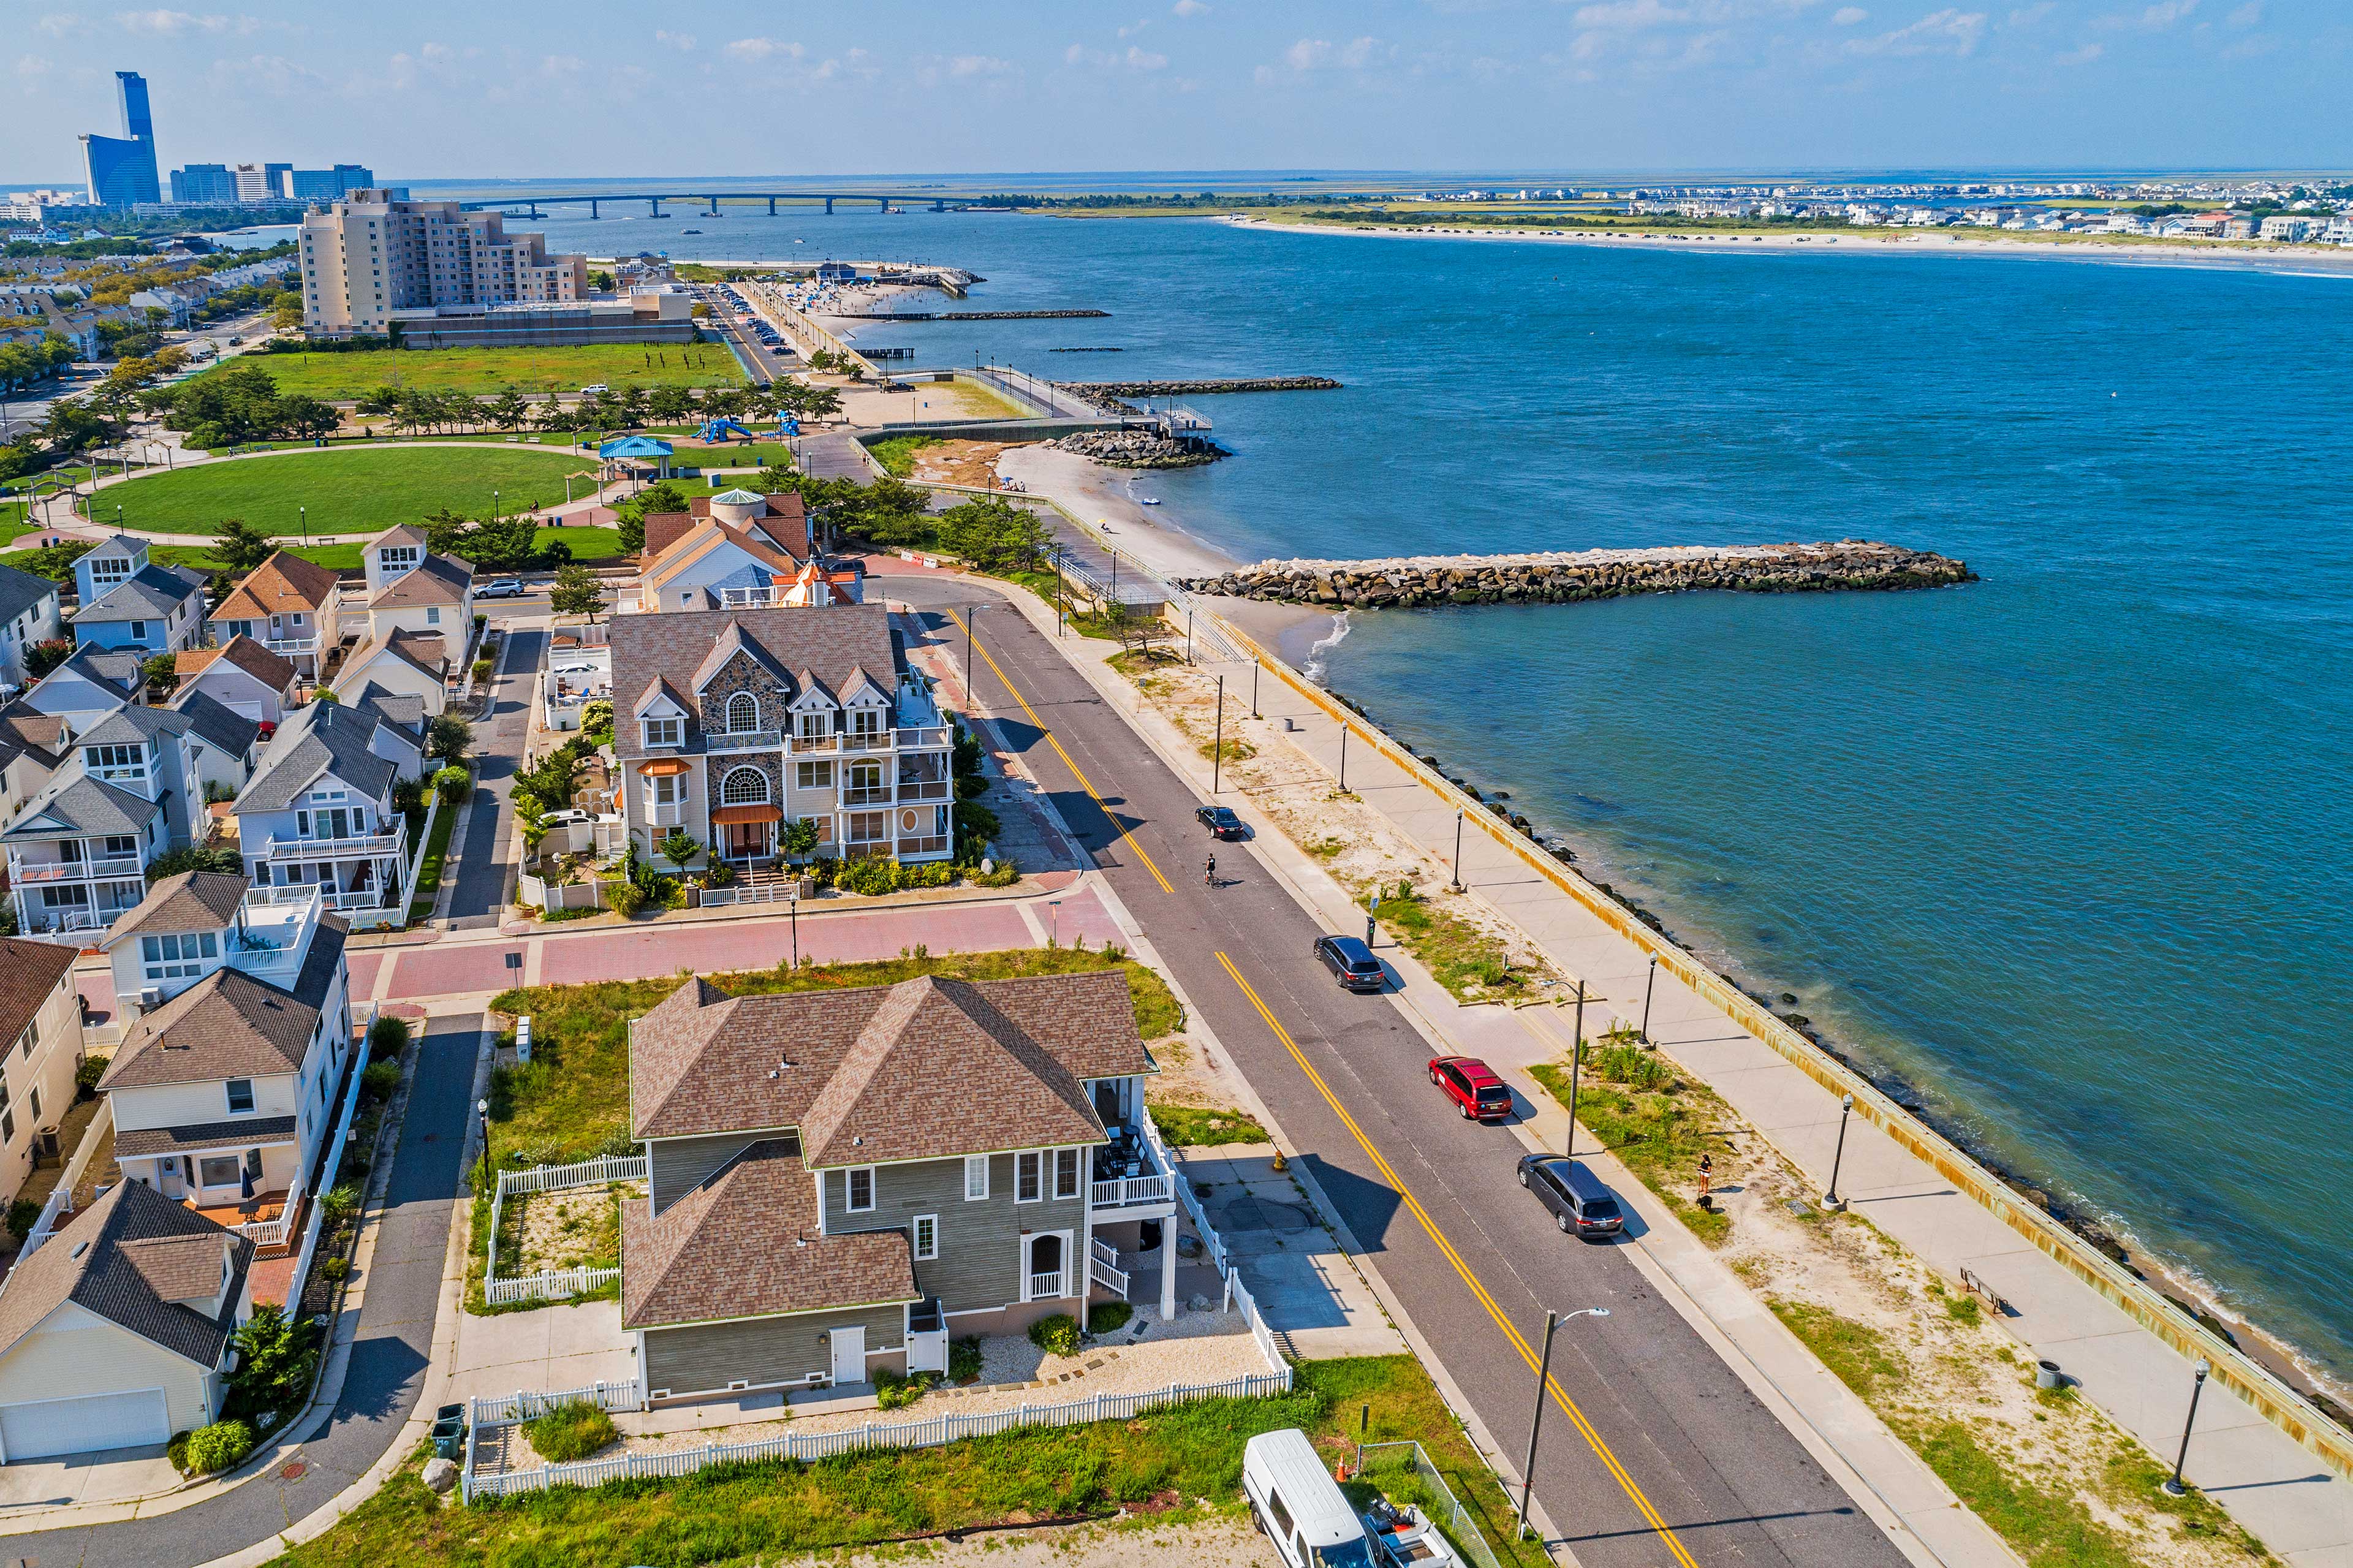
1210,872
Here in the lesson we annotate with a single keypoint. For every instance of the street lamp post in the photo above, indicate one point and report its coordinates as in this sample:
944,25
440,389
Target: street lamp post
792,906
305,512
1831,1199
1553,1320
1256,665
494,506
1575,1063
1343,756
2173,1486
482,1110
1649,981
1457,849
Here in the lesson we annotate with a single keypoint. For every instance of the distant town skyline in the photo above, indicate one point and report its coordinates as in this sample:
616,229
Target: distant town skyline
433,89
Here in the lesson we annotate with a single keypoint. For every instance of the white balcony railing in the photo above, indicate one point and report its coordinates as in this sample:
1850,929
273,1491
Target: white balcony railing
1045,1287
923,789
1129,1190
356,846
115,867
141,779
867,794
1102,1268
925,737
744,741
290,646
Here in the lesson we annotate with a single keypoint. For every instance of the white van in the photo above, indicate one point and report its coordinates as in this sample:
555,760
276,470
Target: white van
1299,1506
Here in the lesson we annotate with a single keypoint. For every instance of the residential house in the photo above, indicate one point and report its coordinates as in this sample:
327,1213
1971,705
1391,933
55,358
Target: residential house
291,606
28,615
733,722
90,685
740,550
78,851
119,1331
32,748
127,603
242,676
40,1049
228,1080
840,1182
407,665
427,597
223,747
319,812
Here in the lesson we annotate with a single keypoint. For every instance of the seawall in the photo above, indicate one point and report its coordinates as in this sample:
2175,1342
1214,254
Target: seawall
1403,582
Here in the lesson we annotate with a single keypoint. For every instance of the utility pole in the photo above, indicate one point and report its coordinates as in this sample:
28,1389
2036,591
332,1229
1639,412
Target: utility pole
1575,1063
1535,1424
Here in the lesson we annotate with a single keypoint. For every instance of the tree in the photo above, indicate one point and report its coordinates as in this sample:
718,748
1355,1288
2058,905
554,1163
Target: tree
669,404
54,561
509,410
446,532
275,1357
821,402
161,671
679,846
307,417
449,738
503,544
576,591
995,535
241,546
798,838
665,496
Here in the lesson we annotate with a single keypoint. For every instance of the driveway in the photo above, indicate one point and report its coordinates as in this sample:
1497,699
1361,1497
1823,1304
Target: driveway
108,1476
483,870
387,1362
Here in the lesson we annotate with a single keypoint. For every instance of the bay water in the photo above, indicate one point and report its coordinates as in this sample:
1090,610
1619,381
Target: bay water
2064,849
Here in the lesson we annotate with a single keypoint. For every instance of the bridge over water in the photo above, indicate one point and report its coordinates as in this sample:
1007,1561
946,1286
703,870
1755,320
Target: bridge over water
531,203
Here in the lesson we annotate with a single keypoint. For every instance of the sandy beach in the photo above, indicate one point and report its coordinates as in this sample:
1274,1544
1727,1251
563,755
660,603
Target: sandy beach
2309,260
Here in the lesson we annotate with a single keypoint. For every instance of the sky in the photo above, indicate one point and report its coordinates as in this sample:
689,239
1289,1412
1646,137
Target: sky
436,88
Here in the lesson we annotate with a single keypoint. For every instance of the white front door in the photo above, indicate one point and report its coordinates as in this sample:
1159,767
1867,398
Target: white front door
849,1355
48,1427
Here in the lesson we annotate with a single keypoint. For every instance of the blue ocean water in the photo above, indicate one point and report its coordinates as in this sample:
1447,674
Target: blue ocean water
2063,849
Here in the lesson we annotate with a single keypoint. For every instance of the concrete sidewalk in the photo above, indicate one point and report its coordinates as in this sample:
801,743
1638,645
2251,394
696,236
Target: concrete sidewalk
2269,1483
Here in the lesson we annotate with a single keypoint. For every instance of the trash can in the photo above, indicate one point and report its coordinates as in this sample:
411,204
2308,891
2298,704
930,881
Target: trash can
449,1437
2048,1375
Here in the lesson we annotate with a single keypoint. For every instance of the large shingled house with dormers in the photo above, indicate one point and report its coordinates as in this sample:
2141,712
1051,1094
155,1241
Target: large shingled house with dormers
731,723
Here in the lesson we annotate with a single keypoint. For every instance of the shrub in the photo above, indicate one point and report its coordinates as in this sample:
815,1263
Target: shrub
218,1447
86,1076
275,1355
1108,1317
892,1392
1002,873
869,877
334,1269
964,1359
341,1203
455,785
482,671
1057,1335
23,1214
571,1431
380,1080
388,1037
626,897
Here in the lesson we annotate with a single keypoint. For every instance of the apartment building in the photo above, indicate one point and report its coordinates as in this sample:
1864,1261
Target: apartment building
372,253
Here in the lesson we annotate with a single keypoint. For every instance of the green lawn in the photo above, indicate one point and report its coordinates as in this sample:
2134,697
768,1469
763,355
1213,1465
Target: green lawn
533,372
1157,1466
897,455
429,875
348,490
571,1103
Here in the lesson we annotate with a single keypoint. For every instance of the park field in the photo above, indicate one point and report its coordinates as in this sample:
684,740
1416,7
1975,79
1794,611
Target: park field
533,372
346,489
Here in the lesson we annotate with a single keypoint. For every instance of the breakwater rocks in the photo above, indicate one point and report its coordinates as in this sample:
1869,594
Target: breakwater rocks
1850,564
967,315
1185,388
1140,448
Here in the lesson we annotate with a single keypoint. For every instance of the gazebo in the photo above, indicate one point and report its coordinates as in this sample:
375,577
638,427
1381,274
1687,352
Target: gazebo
632,454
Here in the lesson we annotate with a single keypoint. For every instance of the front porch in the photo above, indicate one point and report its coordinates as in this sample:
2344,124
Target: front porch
245,1177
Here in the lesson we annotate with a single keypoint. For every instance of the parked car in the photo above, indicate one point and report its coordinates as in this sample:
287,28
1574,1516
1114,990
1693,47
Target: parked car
504,588
1581,1204
559,818
1220,821
1472,1086
1351,962
594,388
1299,1508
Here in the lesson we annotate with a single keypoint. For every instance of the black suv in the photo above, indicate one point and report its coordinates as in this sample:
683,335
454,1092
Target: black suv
1351,962
1580,1203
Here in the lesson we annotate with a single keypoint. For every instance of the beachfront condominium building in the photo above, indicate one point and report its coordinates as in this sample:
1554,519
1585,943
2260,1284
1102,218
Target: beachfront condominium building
204,185
262,182
326,184
372,253
122,169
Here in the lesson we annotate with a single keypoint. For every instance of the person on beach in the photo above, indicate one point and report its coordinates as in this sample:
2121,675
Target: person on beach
1706,1166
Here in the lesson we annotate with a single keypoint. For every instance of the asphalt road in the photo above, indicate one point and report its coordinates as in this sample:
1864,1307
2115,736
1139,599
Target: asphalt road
1655,1453
482,869
388,1358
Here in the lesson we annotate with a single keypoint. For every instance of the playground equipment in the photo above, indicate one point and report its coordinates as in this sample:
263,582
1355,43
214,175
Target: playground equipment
725,429
789,424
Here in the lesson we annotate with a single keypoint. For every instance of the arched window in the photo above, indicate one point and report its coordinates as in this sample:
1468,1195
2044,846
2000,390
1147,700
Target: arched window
743,712
743,786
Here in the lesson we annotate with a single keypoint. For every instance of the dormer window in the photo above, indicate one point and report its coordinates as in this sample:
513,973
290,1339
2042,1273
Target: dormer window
866,723
812,724
662,731
742,713
180,957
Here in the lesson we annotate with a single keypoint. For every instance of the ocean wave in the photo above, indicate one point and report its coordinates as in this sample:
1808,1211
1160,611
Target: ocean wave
1314,666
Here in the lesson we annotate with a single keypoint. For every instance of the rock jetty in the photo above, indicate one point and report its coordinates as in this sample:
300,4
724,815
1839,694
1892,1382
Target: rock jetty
1141,448
1185,388
1565,577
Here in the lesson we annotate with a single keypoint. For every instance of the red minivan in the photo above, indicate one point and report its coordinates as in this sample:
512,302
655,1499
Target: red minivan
1468,1083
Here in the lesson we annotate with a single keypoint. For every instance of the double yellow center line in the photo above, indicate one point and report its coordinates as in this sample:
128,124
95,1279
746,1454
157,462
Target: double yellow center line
1076,772
1446,1248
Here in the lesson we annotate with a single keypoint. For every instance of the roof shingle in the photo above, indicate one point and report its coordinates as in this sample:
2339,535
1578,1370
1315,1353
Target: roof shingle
118,1257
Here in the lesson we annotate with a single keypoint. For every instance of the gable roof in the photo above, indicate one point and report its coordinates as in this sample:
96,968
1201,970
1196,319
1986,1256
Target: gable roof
436,579
80,804
1005,1061
280,585
135,724
400,533
400,647
21,591
44,735
320,738
30,972
404,711
125,1258
150,593
229,1025
744,1243
217,723
105,666
731,640
191,900
820,645
664,529
243,653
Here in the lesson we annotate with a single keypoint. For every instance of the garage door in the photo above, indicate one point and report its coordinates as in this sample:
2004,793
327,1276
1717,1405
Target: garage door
83,1425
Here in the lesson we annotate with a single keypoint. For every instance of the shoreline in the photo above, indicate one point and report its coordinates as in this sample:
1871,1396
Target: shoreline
2333,263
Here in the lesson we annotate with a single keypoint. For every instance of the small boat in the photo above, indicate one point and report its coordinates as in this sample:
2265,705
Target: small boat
1147,500
689,231
1406,1539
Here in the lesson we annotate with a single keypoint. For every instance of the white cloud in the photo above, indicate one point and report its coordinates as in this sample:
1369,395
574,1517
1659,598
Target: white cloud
979,65
60,25
1630,16
269,73
2026,16
33,68
1307,54
1848,15
681,41
2248,48
176,24
2166,12
2246,16
752,50
1135,27
2079,57
1950,31
562,65
1188,8
1131,59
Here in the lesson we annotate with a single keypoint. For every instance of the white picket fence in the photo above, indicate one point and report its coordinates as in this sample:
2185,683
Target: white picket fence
553,1284
930,1434
333,1166
511,1409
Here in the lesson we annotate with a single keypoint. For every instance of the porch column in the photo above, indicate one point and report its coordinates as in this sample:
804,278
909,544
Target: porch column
1169,1269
